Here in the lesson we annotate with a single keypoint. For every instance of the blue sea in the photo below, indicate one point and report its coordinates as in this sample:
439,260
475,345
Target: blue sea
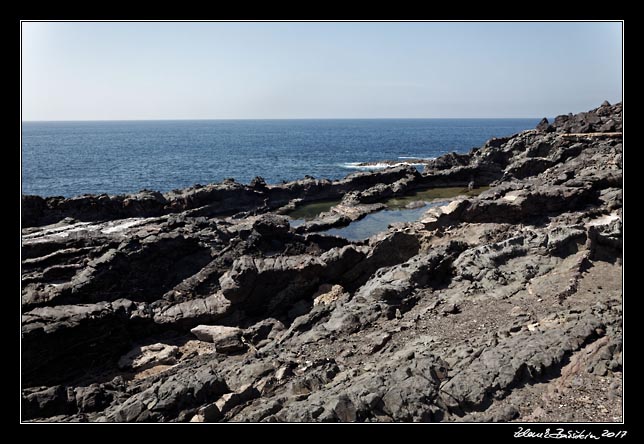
115,157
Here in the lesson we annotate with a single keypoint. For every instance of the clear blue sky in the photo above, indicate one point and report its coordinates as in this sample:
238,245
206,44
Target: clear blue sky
121,71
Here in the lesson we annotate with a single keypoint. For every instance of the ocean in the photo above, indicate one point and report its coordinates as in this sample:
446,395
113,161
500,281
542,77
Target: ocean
115,157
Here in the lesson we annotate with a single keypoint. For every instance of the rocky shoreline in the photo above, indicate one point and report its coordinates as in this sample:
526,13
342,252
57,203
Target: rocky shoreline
206,305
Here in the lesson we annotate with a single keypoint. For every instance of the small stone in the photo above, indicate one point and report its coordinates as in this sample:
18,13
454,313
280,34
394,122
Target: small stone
207,413
327,294
230,400
600,307
517,311
211,412
344,409
345,322
146,356
372,400
197,418
451,309
600,368
507,413
379,342
283,372
346,353
226,339
265,384
92,398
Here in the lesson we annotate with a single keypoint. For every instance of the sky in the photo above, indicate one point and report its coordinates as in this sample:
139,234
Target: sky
282,70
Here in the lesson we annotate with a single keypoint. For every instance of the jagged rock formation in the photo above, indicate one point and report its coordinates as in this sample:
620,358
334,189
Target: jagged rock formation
205,305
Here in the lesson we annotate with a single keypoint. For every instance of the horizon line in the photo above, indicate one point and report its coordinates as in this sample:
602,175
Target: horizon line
274,119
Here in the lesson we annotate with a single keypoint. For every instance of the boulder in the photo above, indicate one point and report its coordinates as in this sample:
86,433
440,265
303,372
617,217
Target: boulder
226,339
146,356
543,125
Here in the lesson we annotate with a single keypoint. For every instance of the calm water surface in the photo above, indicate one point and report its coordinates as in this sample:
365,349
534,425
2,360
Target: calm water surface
72,158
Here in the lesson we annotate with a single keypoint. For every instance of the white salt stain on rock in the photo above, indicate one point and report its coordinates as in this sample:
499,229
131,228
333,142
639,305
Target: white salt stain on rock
57,231
122,226
510,197
66,230
604,220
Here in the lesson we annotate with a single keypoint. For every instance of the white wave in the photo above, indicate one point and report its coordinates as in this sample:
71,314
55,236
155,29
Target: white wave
376,166
359,166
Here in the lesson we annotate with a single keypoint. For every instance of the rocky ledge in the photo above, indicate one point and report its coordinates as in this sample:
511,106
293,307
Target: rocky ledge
205,305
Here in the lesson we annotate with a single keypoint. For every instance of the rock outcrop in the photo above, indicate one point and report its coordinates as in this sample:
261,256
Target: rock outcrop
206,305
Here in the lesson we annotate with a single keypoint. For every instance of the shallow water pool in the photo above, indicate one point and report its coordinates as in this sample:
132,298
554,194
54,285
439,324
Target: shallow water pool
310,211
432,195
397,211
379,221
